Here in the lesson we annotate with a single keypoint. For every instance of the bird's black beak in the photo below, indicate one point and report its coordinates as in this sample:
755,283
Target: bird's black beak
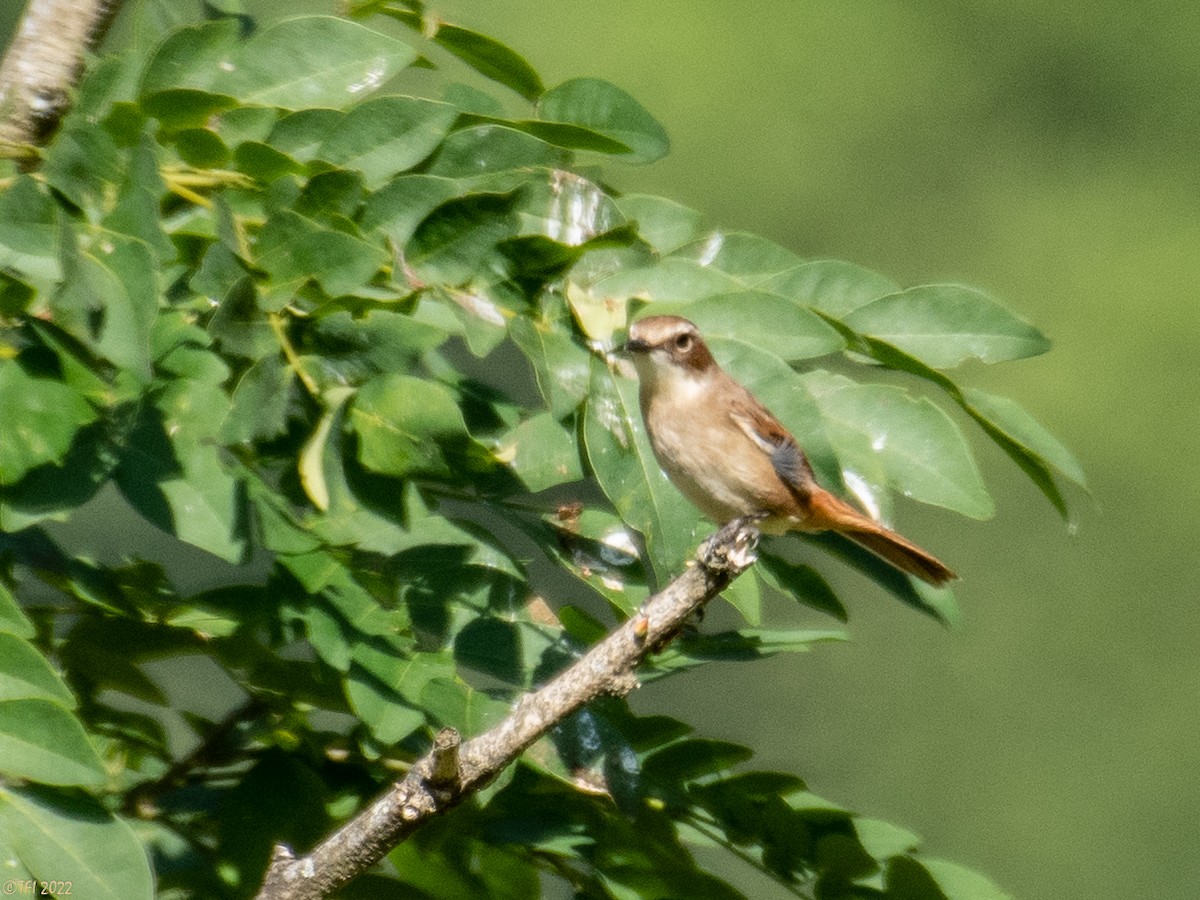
633,345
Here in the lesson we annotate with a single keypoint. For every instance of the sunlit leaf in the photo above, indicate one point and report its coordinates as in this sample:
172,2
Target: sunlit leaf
69,838
12,619
945,324
450,244
922,452
398,208
667,225
491,59
42,418
676,280
190,57
603,107
41,741
541,452
830,285
489,148
25,674
404,425
294,249
561,366
29,233
310,61
747,257
768,321
1011,418
387,135
959,883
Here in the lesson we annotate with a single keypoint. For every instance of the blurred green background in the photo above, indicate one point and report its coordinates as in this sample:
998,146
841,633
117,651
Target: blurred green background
1047,153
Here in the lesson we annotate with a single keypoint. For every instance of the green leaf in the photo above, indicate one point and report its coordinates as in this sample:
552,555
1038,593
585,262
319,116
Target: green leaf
12,619
378,341
486,149
1033,464
388,717
491,646
620,455
672,280
745,644
451,243
119,281
491,59
959,883
41,741
25,674
768,321
1010,418
542,453
457,705
42,419
293,249
665,224
84,165
180,108
799,582
405,425
747,257
300,135
55,492
60,837
387,135
172,470
201,148
945,324
137,215
746,597
29,233
603,107
882,839
399,207
693,759
922,453
260,402
310,61
830,285
560,134
190,57
561,366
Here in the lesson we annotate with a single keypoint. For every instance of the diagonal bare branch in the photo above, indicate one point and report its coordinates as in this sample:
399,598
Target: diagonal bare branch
42,65
453,770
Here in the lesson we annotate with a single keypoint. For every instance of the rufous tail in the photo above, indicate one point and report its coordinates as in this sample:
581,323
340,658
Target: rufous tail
828,513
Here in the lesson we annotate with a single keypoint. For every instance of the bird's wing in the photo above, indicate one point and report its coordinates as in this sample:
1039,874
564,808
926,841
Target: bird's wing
766,433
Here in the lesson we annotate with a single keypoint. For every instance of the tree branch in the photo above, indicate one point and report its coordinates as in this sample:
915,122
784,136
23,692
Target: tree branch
453,770
41,66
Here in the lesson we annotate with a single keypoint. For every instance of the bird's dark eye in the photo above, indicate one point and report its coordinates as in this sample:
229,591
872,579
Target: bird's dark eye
683,343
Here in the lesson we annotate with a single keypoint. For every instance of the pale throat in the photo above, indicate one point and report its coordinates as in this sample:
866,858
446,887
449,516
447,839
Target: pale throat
680,385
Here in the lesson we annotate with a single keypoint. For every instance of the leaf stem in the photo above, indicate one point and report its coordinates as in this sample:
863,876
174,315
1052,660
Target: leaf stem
289,352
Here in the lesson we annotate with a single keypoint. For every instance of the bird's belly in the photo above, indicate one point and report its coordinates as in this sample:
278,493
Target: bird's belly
722,476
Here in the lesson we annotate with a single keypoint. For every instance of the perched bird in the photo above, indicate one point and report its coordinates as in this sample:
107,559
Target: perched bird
730,457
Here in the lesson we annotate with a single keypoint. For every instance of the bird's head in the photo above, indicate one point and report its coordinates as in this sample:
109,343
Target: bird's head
668,347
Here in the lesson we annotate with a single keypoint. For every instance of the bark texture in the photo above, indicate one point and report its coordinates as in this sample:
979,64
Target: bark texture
42,64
